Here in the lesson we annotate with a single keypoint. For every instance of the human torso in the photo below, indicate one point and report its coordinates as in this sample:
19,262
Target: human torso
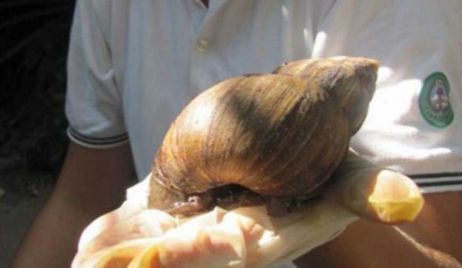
173,50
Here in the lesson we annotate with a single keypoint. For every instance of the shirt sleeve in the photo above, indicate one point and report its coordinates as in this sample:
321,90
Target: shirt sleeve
93,100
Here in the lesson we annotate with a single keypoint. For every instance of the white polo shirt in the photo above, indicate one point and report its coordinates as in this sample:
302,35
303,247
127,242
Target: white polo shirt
134,64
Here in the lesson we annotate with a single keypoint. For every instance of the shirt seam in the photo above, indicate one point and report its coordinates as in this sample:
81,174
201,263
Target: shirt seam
89,141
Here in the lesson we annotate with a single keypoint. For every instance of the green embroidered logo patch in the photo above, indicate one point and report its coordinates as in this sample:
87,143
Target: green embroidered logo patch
434,101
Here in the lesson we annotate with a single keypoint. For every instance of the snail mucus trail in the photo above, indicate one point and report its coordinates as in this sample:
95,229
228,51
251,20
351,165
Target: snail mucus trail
271,139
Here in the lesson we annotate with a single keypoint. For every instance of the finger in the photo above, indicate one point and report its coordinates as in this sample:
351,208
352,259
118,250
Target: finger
116,256
375,193
220,245
145,224
212,247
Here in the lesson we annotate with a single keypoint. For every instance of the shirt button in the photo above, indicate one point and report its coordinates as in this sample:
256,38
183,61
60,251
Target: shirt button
202,45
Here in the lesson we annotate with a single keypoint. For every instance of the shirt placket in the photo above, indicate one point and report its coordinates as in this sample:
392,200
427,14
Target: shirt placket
202,44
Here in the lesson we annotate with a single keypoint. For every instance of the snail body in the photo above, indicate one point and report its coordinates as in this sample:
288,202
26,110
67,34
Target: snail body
278,135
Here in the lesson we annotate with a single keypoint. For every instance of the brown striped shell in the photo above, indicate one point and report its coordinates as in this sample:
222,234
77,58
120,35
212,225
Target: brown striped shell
278,135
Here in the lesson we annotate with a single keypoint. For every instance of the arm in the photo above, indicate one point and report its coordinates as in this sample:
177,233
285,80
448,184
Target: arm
433,240
91,183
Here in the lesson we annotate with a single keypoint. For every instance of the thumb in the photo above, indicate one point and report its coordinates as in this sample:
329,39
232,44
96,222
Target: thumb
374,193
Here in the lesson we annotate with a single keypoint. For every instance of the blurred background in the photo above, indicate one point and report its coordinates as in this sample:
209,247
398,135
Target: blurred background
34,37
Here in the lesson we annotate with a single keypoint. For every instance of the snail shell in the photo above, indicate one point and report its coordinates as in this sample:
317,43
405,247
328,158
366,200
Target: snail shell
278,135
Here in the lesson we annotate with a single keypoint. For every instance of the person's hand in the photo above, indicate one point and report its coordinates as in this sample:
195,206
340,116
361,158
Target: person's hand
134,236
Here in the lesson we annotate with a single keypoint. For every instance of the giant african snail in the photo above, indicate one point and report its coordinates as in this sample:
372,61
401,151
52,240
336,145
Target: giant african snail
264,137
